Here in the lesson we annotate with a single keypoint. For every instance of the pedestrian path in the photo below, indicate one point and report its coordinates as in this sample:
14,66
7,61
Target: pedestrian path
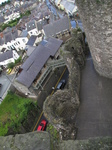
94,118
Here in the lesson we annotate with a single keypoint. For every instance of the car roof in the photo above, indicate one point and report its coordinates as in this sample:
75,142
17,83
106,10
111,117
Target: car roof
39,128
60,83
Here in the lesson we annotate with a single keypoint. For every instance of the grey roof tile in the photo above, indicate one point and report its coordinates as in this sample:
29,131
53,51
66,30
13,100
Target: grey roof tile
56,27
33,65
6,55
41,23
31,25
31,41
1,41
1,19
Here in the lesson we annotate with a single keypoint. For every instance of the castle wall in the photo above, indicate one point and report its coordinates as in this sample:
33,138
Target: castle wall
96,16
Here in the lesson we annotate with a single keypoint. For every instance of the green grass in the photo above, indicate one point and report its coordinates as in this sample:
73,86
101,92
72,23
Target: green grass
13,110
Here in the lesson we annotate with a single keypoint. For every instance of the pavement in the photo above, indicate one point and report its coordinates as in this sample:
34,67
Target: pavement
94,118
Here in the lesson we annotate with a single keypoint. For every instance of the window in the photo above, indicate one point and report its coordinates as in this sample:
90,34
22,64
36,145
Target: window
24,40
18,42
31,32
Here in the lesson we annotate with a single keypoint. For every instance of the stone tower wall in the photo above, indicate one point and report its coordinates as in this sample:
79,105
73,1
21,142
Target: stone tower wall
96,16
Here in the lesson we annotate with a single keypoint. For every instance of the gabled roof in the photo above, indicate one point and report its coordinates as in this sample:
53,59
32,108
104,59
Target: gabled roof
31,41
55,27
8,37
11,35
1,19
33,65
31,25
6,55
24,33
41,23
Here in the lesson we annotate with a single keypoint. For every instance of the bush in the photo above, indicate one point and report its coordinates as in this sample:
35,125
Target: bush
18,60
11,65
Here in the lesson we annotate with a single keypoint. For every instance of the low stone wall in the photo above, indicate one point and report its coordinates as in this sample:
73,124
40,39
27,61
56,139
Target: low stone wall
30,141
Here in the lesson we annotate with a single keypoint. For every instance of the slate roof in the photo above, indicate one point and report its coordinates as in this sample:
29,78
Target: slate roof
30,49
1,19
24,33
31,41
69,6
12,35
1,41
31,25
57,26
33,65
6,55
41,23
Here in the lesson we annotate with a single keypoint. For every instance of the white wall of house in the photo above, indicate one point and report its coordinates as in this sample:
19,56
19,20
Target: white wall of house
33,32
6,62
38,39
22,41
15,55
18,44
13,16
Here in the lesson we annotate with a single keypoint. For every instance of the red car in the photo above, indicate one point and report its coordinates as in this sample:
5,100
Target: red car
42,125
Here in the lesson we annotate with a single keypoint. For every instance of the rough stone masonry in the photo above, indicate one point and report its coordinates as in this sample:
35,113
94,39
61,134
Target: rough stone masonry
96,16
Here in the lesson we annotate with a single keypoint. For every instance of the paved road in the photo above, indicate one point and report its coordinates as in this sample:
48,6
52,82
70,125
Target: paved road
94,118
48,89
6,82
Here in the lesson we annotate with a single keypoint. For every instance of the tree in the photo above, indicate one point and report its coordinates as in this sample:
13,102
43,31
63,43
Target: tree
11,65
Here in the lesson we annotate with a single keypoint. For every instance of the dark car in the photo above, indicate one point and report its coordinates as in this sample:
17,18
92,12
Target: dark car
42,125
61,85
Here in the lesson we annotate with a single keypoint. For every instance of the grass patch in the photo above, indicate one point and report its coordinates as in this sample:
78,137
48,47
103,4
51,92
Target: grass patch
13,110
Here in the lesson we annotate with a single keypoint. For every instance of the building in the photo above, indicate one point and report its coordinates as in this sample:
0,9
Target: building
57,28
8,57
36,63
12,41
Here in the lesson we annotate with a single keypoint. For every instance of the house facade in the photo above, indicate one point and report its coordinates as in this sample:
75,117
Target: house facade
32,28
11,17
8,57
12,41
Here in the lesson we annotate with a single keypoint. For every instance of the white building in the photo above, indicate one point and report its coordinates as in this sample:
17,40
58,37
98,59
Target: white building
8,57
12,16
14,42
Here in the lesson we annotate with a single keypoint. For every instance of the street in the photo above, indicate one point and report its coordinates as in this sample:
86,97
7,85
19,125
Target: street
5,80
62,73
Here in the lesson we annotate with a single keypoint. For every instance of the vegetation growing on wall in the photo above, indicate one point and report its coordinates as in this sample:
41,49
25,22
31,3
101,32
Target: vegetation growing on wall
54,136
13,110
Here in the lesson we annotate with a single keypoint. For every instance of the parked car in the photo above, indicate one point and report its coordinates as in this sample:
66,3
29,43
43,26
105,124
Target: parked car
8,71
61,85
42,125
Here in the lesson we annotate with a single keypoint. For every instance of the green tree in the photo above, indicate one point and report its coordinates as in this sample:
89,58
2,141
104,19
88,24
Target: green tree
11,65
